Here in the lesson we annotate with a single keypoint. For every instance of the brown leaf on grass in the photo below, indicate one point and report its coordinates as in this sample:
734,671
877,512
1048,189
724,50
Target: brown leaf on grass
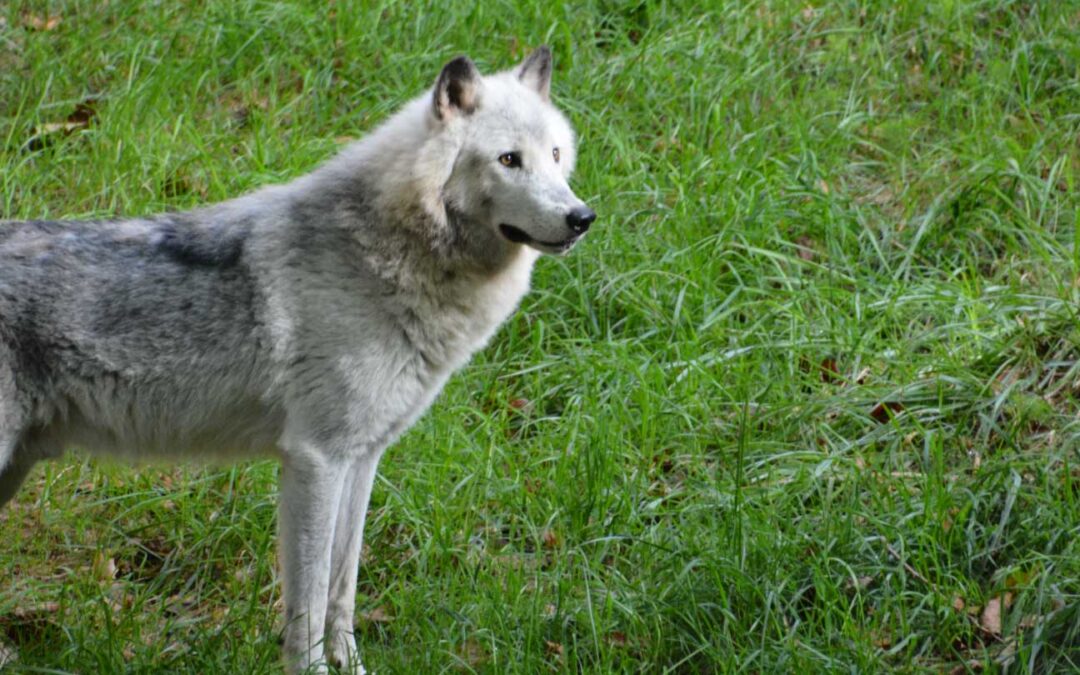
617,638
882,641
42,23
553,649
118,598
46,134
1029,621
377,615
104,567
663,462
551,539
806,248
38,623
36,613
520,403
84,112
990,619
830,372
886,410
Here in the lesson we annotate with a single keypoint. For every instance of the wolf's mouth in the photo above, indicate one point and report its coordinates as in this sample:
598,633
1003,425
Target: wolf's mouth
514,234
518,236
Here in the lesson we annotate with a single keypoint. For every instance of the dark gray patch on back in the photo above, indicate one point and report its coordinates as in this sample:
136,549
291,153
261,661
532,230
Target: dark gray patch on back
192,244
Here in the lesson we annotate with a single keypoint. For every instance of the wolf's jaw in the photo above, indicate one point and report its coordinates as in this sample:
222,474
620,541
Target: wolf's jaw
514,234
519,236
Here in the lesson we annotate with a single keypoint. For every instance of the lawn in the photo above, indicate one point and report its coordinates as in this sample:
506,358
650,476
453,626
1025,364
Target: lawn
805,400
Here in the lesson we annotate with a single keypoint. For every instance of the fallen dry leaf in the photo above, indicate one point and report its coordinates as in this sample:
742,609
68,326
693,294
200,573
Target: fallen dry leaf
553,649
617,638
37,612
79,119
84,112
104,567
882,641
886,410
42,23
990,619
860,583
551,539
806,249
377,615
662,460
830,372
1029,621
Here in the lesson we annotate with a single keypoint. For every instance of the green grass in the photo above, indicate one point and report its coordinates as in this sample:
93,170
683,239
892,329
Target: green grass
806,212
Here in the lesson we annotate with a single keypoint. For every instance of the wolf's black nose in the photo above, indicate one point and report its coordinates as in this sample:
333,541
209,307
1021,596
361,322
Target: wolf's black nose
580,218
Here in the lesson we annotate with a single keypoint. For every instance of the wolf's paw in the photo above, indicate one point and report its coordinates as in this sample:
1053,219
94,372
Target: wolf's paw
342,653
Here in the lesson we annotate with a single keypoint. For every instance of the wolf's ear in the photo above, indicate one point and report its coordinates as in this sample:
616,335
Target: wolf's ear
535,71
455,90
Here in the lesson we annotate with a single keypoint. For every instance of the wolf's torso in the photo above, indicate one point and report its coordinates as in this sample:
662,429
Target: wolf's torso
230,330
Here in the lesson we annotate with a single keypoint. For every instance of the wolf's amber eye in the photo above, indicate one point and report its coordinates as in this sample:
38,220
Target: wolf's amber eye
510,160
555,154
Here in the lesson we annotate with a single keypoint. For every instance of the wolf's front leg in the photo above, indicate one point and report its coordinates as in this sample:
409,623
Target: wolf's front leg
311,489
348,538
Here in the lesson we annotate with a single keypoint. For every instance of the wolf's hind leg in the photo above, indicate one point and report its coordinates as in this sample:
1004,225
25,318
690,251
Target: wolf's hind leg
13,474
14,465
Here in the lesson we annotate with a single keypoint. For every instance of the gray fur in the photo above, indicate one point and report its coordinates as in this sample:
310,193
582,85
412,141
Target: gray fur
312,321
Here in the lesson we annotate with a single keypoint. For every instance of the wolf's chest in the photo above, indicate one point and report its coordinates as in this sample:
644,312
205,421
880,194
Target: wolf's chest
451,326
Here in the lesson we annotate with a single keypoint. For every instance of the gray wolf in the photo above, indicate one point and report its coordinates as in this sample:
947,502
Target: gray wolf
312,321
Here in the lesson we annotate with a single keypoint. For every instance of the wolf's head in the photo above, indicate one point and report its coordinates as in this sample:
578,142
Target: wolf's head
515,152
